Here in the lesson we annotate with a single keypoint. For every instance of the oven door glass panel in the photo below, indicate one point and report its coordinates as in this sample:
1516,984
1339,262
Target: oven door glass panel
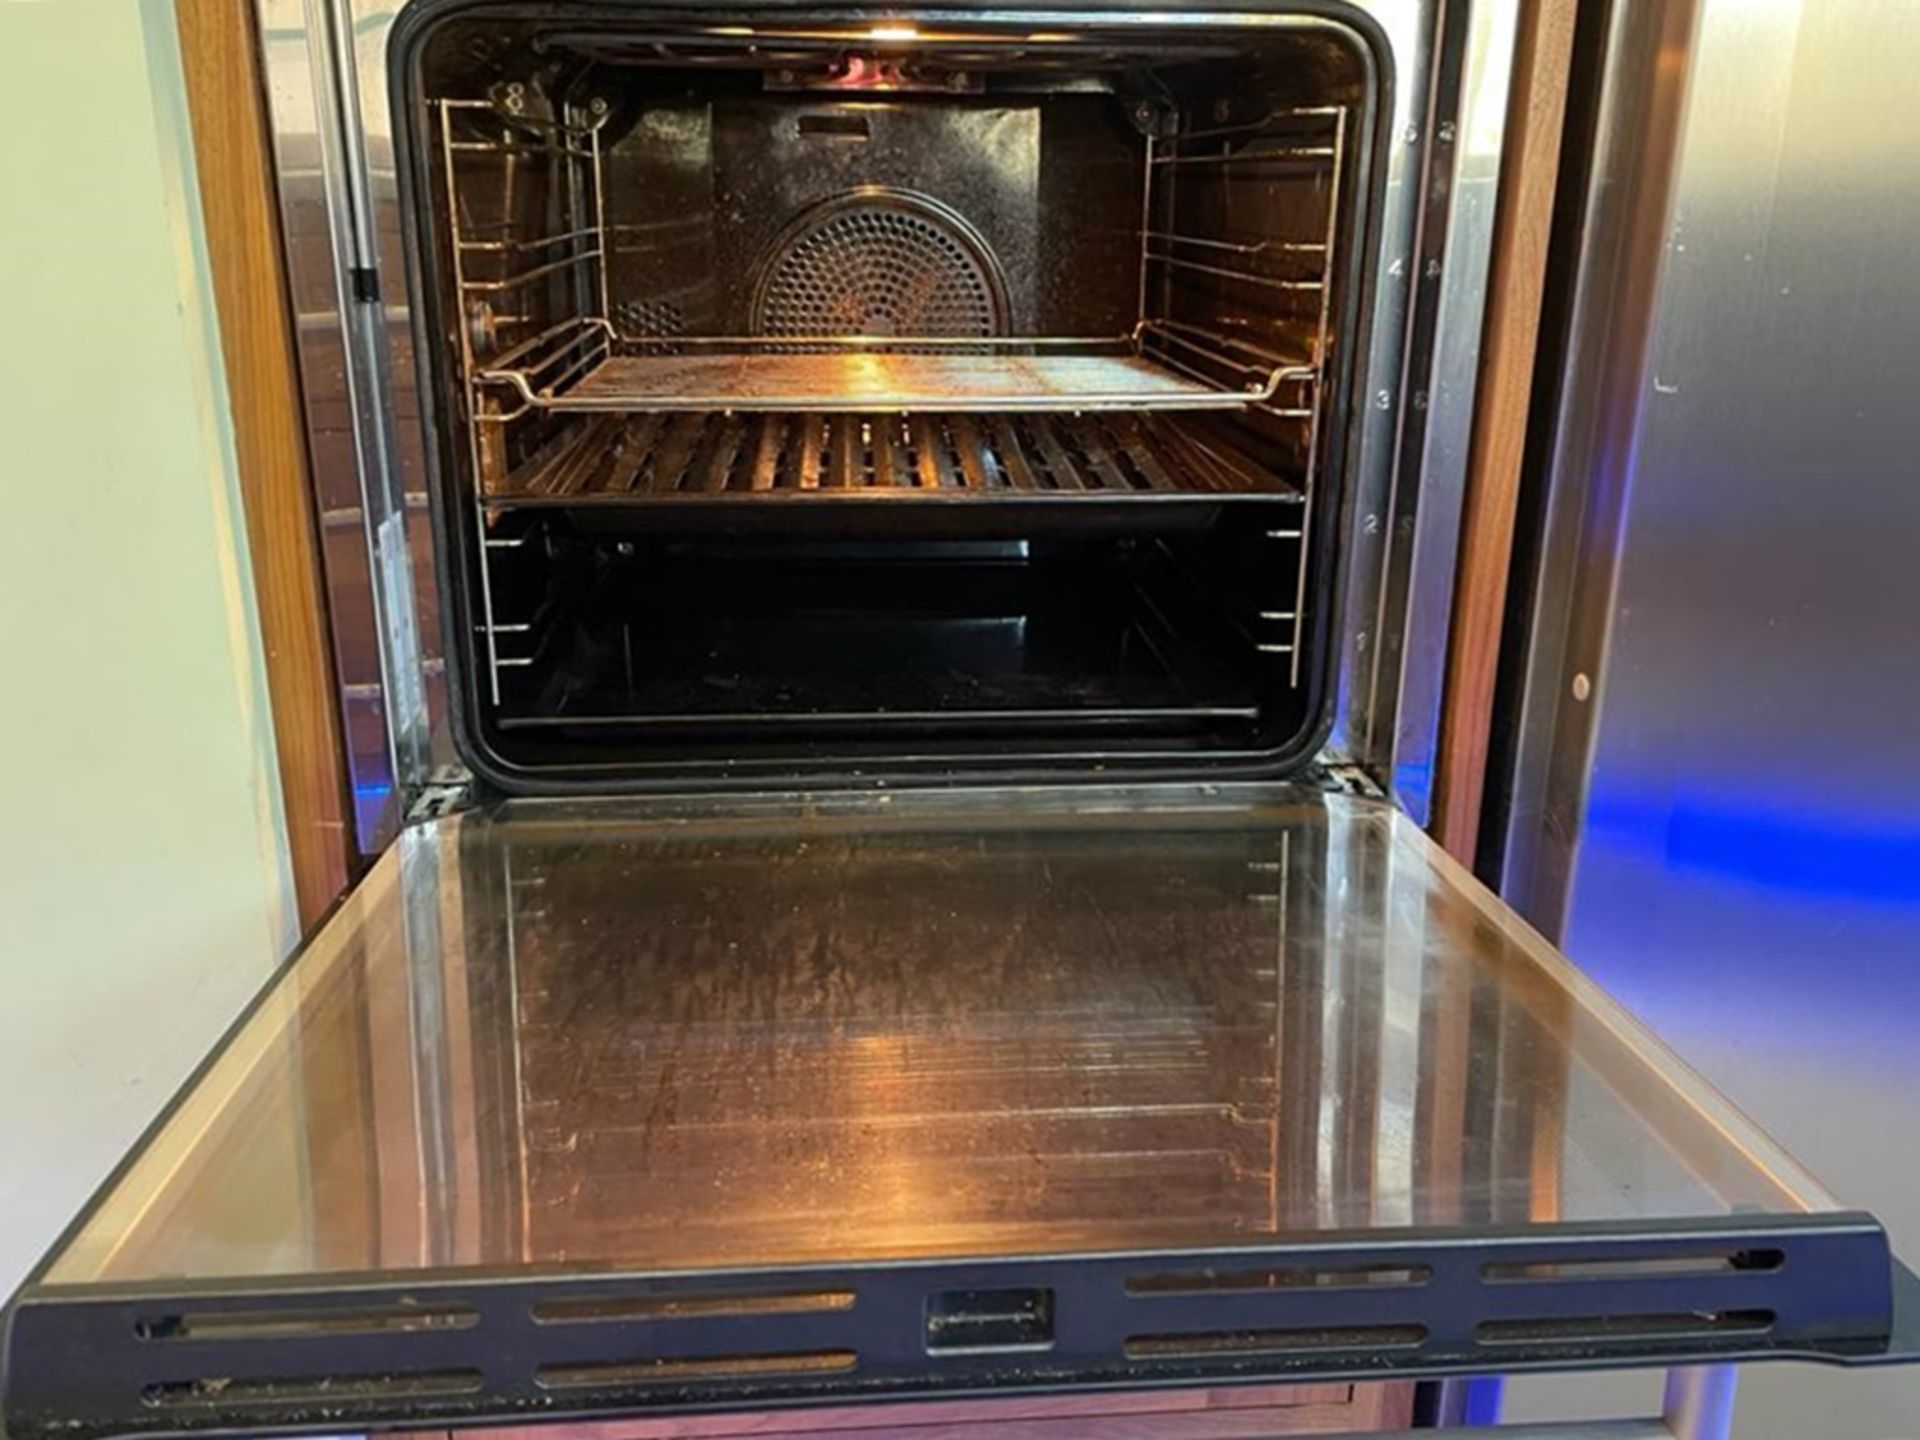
612,1036
973,1073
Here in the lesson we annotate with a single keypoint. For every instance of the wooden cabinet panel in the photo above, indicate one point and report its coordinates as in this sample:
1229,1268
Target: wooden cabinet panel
219,52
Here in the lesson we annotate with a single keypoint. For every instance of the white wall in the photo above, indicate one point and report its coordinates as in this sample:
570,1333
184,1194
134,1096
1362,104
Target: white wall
143,885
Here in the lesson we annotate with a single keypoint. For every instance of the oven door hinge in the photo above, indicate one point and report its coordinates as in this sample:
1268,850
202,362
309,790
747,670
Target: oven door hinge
1345,777
447,791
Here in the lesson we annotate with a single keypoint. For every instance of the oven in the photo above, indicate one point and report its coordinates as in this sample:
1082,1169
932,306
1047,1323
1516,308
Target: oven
936,522
817,399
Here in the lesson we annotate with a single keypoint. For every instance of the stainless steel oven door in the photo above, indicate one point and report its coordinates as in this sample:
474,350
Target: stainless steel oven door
603,1107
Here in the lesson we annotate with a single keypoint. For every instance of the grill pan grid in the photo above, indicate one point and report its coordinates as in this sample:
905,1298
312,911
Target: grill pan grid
696,454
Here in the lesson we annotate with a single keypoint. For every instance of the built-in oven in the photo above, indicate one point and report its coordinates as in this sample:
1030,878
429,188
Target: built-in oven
929,916
816,401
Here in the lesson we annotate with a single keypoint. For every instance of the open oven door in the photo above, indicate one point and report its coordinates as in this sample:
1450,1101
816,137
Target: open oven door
591,1107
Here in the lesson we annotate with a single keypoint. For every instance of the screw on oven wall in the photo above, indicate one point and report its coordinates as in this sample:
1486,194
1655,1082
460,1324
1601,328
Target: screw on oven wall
1148,119
598,105
1582,687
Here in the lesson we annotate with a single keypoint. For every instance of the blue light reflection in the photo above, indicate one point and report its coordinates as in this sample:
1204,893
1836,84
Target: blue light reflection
1776,845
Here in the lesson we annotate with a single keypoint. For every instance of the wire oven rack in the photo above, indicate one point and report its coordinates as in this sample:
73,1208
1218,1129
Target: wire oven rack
586,365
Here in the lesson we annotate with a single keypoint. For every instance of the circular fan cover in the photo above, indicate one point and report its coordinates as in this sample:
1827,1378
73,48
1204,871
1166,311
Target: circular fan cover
880,263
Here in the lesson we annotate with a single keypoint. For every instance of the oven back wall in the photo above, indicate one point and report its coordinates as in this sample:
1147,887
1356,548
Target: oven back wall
704,192
144,891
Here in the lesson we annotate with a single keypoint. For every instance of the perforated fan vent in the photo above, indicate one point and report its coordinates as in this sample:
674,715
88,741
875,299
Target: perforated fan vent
881,262
654,319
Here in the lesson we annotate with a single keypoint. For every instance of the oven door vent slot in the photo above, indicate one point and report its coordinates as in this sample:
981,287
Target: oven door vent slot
234,1325
1626,1331
684,1370
1276,1344
704,1306
1629,1267
228,1393
1331,1277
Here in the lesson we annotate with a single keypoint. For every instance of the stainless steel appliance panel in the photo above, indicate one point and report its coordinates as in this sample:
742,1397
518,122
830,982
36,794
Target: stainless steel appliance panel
339,217
1415,612
1415,405
1740,867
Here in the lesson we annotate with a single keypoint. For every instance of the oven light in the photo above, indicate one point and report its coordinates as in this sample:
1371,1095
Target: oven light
893,33
730,30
